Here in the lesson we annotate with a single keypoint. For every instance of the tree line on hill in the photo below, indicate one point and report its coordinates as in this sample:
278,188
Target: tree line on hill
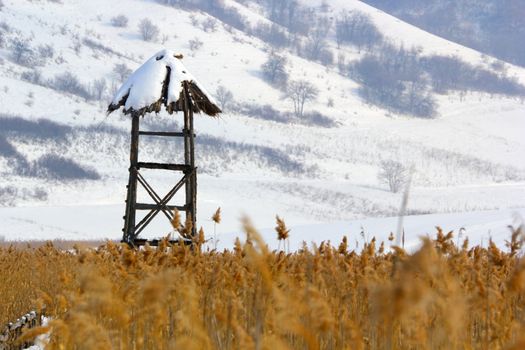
398,79
496,27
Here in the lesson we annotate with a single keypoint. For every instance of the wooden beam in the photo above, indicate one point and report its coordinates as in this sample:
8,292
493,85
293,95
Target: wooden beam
163,133
164,166
146,206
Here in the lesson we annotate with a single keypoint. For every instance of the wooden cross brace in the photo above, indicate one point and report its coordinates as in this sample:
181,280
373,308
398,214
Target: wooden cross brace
160,204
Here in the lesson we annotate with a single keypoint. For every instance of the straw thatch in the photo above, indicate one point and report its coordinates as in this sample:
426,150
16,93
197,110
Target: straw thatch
159,82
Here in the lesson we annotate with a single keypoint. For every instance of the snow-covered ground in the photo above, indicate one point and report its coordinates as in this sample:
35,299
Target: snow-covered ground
103,222
470,158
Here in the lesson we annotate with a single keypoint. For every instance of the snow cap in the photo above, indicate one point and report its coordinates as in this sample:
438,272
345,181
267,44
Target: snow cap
159,82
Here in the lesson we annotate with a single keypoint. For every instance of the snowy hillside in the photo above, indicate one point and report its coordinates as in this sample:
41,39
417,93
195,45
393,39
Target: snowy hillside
63,62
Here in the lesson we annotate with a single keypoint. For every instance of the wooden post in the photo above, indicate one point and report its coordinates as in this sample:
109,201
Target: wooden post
189,159
193,178
131,199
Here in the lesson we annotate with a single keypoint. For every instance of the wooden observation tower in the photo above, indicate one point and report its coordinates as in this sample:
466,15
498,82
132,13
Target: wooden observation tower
162,81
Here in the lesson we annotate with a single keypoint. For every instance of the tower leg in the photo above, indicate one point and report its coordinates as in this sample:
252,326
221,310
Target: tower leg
189,159
131,198
193,178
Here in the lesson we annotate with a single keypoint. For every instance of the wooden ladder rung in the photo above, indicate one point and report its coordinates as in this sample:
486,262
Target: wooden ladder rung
165,166
164,133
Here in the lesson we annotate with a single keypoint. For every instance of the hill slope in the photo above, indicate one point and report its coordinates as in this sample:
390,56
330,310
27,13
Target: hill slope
62,62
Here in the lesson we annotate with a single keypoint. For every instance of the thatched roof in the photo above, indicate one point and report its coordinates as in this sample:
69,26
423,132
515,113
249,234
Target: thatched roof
159,82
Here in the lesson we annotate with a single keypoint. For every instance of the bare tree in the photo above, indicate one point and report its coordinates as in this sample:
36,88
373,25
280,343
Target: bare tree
224,97
358,29
316,42
272,34
148,30
274,70
99,87
300,92
392,173
122,71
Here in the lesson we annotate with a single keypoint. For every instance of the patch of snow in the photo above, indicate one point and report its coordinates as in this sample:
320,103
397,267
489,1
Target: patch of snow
144,86
42,340
79,223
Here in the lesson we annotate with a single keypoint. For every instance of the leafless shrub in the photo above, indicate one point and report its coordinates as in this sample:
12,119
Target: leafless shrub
195,44
274,70
77,47
194,21
148,30
53,166
99,88
224,97
122,71
32,76
46,51
341,63
22,53
209,25
326,57
120,21
69,82
273,34
4,31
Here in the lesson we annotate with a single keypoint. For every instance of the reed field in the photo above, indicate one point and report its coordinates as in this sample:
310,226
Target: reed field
442,296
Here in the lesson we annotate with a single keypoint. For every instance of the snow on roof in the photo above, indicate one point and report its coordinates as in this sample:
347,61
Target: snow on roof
159,82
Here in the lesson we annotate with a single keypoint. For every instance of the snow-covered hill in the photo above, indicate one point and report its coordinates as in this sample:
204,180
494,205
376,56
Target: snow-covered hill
468,158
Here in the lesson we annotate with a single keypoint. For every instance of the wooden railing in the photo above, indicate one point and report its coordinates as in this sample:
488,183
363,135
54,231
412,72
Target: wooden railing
10,334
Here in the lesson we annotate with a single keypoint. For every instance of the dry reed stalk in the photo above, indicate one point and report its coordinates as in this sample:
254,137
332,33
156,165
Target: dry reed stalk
443,296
